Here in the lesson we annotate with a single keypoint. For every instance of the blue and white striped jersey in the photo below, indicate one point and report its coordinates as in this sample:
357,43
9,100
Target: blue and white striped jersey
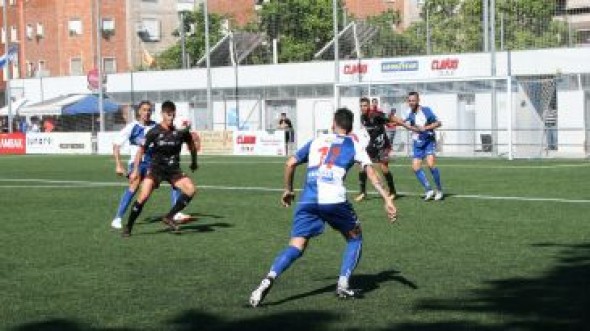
134,135
328,159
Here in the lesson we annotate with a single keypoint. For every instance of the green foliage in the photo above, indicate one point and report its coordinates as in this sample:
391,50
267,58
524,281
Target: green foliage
171,58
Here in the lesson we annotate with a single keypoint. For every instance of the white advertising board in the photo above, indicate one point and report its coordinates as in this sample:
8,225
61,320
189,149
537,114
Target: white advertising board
259,143
105,143
59,143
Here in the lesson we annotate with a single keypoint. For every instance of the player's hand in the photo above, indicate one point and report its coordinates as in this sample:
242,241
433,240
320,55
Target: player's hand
119,170
133,176
194,166
391,210
287,198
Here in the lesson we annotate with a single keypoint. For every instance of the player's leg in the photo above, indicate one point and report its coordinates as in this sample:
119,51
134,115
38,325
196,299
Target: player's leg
421,176
384,165
342,218
431,162
362,186
179,217
187,189
147,187
306,224
127,197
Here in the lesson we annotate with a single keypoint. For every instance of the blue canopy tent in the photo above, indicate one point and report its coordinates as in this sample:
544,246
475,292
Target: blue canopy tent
89,105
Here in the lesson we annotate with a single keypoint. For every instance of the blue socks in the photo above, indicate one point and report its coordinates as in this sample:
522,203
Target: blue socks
284,260
422,179
351,257
174,195
124,203
436,176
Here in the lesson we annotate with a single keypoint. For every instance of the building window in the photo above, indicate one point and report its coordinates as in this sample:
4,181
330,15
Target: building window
76,68
30,33
40,30
110,65
75,27
149,30
13,34
583,37
3,36
41,69
30,69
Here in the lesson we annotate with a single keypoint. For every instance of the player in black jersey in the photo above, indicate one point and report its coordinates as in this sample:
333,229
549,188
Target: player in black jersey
165,143
378,147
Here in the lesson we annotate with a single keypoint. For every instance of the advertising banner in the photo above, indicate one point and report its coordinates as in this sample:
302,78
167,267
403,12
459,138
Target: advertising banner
216,142
259,143
12,143
59,143
105,143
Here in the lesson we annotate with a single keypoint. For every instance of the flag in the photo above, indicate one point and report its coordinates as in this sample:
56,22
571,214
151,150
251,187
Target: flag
10,56
148,59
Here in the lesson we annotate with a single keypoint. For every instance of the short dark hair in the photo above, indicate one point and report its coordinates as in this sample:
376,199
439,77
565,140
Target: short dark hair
414,93
168,106
374,100
343,117
365,99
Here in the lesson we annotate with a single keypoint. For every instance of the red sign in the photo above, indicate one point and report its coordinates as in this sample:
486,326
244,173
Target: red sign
358,68
92,78
445,64
12,143
244,139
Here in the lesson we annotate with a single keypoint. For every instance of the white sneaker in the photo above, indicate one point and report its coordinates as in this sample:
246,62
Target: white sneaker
345,292
258,294
439,196
116,223
429,195
180,217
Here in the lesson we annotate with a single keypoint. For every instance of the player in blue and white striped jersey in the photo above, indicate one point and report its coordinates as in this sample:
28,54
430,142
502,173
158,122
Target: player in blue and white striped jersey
323,200
134,135
422,122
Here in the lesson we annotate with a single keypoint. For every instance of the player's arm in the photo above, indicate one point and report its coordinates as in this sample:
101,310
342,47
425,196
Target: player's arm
192,147
289,174
432,126
389,206
119,141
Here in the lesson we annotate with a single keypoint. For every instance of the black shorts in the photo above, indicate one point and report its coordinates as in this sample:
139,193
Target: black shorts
379,155
169,174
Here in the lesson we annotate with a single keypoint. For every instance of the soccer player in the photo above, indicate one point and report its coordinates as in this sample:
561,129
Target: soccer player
133,134
323,200
164,142
378,148
422,122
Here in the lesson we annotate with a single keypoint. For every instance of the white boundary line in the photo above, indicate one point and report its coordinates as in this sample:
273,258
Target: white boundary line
88,184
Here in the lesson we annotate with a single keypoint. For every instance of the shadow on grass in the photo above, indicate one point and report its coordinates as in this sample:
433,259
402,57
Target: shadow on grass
364,282
557,300
199,321
193,217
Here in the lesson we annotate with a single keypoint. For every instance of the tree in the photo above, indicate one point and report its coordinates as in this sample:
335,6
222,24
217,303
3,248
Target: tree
171,58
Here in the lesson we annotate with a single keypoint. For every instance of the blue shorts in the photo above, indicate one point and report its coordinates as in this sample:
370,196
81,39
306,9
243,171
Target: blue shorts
424,148
310,219
143,168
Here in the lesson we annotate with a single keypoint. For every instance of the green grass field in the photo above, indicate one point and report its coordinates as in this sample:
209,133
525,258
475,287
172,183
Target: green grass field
509,249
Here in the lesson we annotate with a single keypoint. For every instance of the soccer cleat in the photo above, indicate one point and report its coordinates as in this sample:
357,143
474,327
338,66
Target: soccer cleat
171,224
360,197
439,196
116,223
258,294
429,195
345,292
126,233
181,218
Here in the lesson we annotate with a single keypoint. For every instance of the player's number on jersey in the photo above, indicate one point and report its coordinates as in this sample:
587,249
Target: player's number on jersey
334,151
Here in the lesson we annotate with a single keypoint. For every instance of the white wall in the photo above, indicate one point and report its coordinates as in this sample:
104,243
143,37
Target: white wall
570,116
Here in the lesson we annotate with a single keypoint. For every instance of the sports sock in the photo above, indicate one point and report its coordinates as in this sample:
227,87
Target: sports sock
351,257
389,178
422,179
124,203
135,211
284,261
436,176
363,181
174,195
180,204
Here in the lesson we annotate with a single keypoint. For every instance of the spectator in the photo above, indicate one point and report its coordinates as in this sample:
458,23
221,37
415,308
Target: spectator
286,125
48,125
34,125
